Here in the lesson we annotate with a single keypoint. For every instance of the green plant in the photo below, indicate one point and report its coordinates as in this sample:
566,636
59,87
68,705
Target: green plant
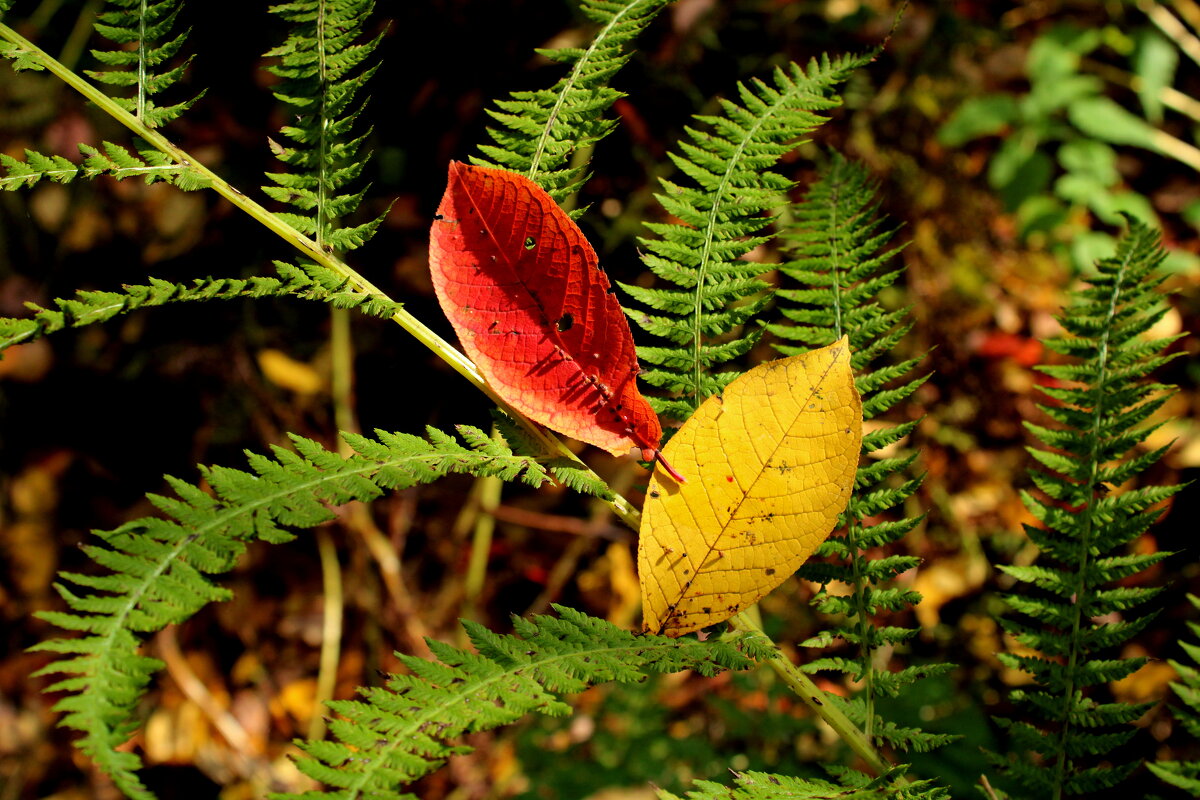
1075,610
839,247
1057,160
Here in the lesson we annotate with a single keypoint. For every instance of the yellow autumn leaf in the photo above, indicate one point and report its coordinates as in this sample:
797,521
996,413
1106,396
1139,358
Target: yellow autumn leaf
283,370
769,465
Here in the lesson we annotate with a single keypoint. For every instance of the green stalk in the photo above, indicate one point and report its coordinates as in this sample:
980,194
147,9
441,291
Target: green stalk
814,698
443,349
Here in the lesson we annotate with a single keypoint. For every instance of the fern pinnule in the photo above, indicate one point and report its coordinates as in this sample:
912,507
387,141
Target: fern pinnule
708,289
146,26
540,131
1073,611
840,262
398,733
157,568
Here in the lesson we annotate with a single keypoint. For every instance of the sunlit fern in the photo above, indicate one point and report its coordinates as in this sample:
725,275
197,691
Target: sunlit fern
157,568
708,291
324,66
146,58
398,733
91,307
115,161
840,263
141,61
849,785
1074,610
541,130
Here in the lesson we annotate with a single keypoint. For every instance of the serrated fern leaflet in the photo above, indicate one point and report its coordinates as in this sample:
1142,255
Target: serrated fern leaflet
541,130
1073,611
840,262
721,220
403,731
157,569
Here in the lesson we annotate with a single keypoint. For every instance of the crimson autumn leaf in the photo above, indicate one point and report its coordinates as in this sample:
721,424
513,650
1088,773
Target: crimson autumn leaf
525,293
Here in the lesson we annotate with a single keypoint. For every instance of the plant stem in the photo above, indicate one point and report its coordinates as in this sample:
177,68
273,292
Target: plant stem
443,349
816,700
490,489
333,605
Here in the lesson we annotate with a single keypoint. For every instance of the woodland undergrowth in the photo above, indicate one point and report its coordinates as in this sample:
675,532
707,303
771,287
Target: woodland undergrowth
709,305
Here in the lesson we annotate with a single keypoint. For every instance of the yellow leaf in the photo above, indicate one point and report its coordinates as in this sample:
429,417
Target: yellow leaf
769,466
283,370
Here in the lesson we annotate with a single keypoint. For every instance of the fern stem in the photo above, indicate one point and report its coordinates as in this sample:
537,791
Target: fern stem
814,698
576,71
443,349
332,607
865,629
710,228
491,489
1082,590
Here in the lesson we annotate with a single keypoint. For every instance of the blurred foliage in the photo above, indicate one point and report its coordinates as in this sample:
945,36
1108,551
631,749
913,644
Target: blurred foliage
986,270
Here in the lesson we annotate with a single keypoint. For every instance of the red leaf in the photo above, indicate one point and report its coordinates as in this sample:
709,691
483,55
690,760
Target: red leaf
525,293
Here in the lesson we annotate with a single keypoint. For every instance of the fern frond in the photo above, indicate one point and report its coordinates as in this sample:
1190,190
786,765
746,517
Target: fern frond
146,48
1185,774
157,568
323,65
850,785
400,732
727,160
1073,610
90,307
115,161
840,260
540,131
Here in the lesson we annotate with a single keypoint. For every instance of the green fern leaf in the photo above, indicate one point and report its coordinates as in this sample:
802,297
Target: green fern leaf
540,132
324,67
144,27
157,569
850,785
1063,745
90,307
840,262
1185,774
722,218
400,732
116,161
